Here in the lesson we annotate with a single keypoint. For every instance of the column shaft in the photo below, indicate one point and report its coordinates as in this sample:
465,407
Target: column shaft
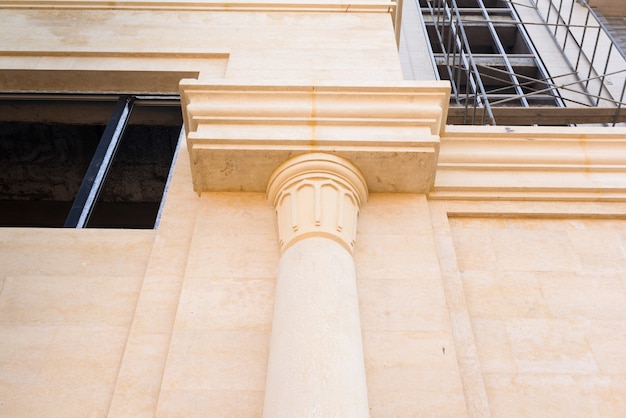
316,366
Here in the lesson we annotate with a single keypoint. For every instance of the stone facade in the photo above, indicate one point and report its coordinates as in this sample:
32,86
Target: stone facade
486,276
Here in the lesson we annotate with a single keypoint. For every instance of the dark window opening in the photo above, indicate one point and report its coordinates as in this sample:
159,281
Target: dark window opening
51,149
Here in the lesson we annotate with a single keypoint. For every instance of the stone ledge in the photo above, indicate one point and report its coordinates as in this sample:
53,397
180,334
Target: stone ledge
354,6
238,133
532,163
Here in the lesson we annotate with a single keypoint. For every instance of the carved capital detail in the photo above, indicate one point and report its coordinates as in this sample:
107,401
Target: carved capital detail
317,195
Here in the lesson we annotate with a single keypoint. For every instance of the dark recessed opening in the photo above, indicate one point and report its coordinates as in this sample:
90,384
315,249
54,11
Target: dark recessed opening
41,169
134,187
47,146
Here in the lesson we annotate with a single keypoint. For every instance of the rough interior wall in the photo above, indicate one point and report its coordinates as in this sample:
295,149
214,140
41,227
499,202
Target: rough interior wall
547,302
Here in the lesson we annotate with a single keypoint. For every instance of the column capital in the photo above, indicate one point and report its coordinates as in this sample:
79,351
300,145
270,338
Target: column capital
317,194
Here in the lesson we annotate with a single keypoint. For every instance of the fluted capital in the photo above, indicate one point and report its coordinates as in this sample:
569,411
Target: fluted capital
317,195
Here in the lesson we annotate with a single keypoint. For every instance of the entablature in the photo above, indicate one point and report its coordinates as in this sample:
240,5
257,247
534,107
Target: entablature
239,132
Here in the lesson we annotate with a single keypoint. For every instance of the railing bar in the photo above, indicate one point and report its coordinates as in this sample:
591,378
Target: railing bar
496,38
569,22
428,44
559,17
619,105
582,41
604,71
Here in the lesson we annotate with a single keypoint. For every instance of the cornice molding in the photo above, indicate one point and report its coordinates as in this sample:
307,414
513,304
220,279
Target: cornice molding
356,6
102,71
239,132
532,163
117,54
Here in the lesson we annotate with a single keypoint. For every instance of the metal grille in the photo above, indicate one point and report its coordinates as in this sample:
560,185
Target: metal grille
497,75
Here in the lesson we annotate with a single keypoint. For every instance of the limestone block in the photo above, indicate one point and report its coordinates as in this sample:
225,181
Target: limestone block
330,63
473,247
550,346
396,305
171,245
606,339
597,245
234,237
494,345
233,256
537,395
560,395
505,294
33,251
395,256
394,213
77,300
157,303
239,132
214,403
584,296
141,371
580,164
518,249
55,44
244,304
546,326
58,364
615,400
235,213
606,396
412,373
231,360
140,375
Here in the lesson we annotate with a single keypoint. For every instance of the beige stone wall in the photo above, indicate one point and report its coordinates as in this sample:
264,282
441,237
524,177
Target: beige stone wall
535,291
547,303
217,359
544,298
176,321
67,299
410,356
509,304
173,322
245,44
529,235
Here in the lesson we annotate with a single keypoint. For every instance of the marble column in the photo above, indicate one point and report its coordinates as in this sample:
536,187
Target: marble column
316,366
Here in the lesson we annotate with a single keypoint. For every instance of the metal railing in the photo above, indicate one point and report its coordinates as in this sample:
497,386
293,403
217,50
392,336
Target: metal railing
594,57
459,62
590,50
478,87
